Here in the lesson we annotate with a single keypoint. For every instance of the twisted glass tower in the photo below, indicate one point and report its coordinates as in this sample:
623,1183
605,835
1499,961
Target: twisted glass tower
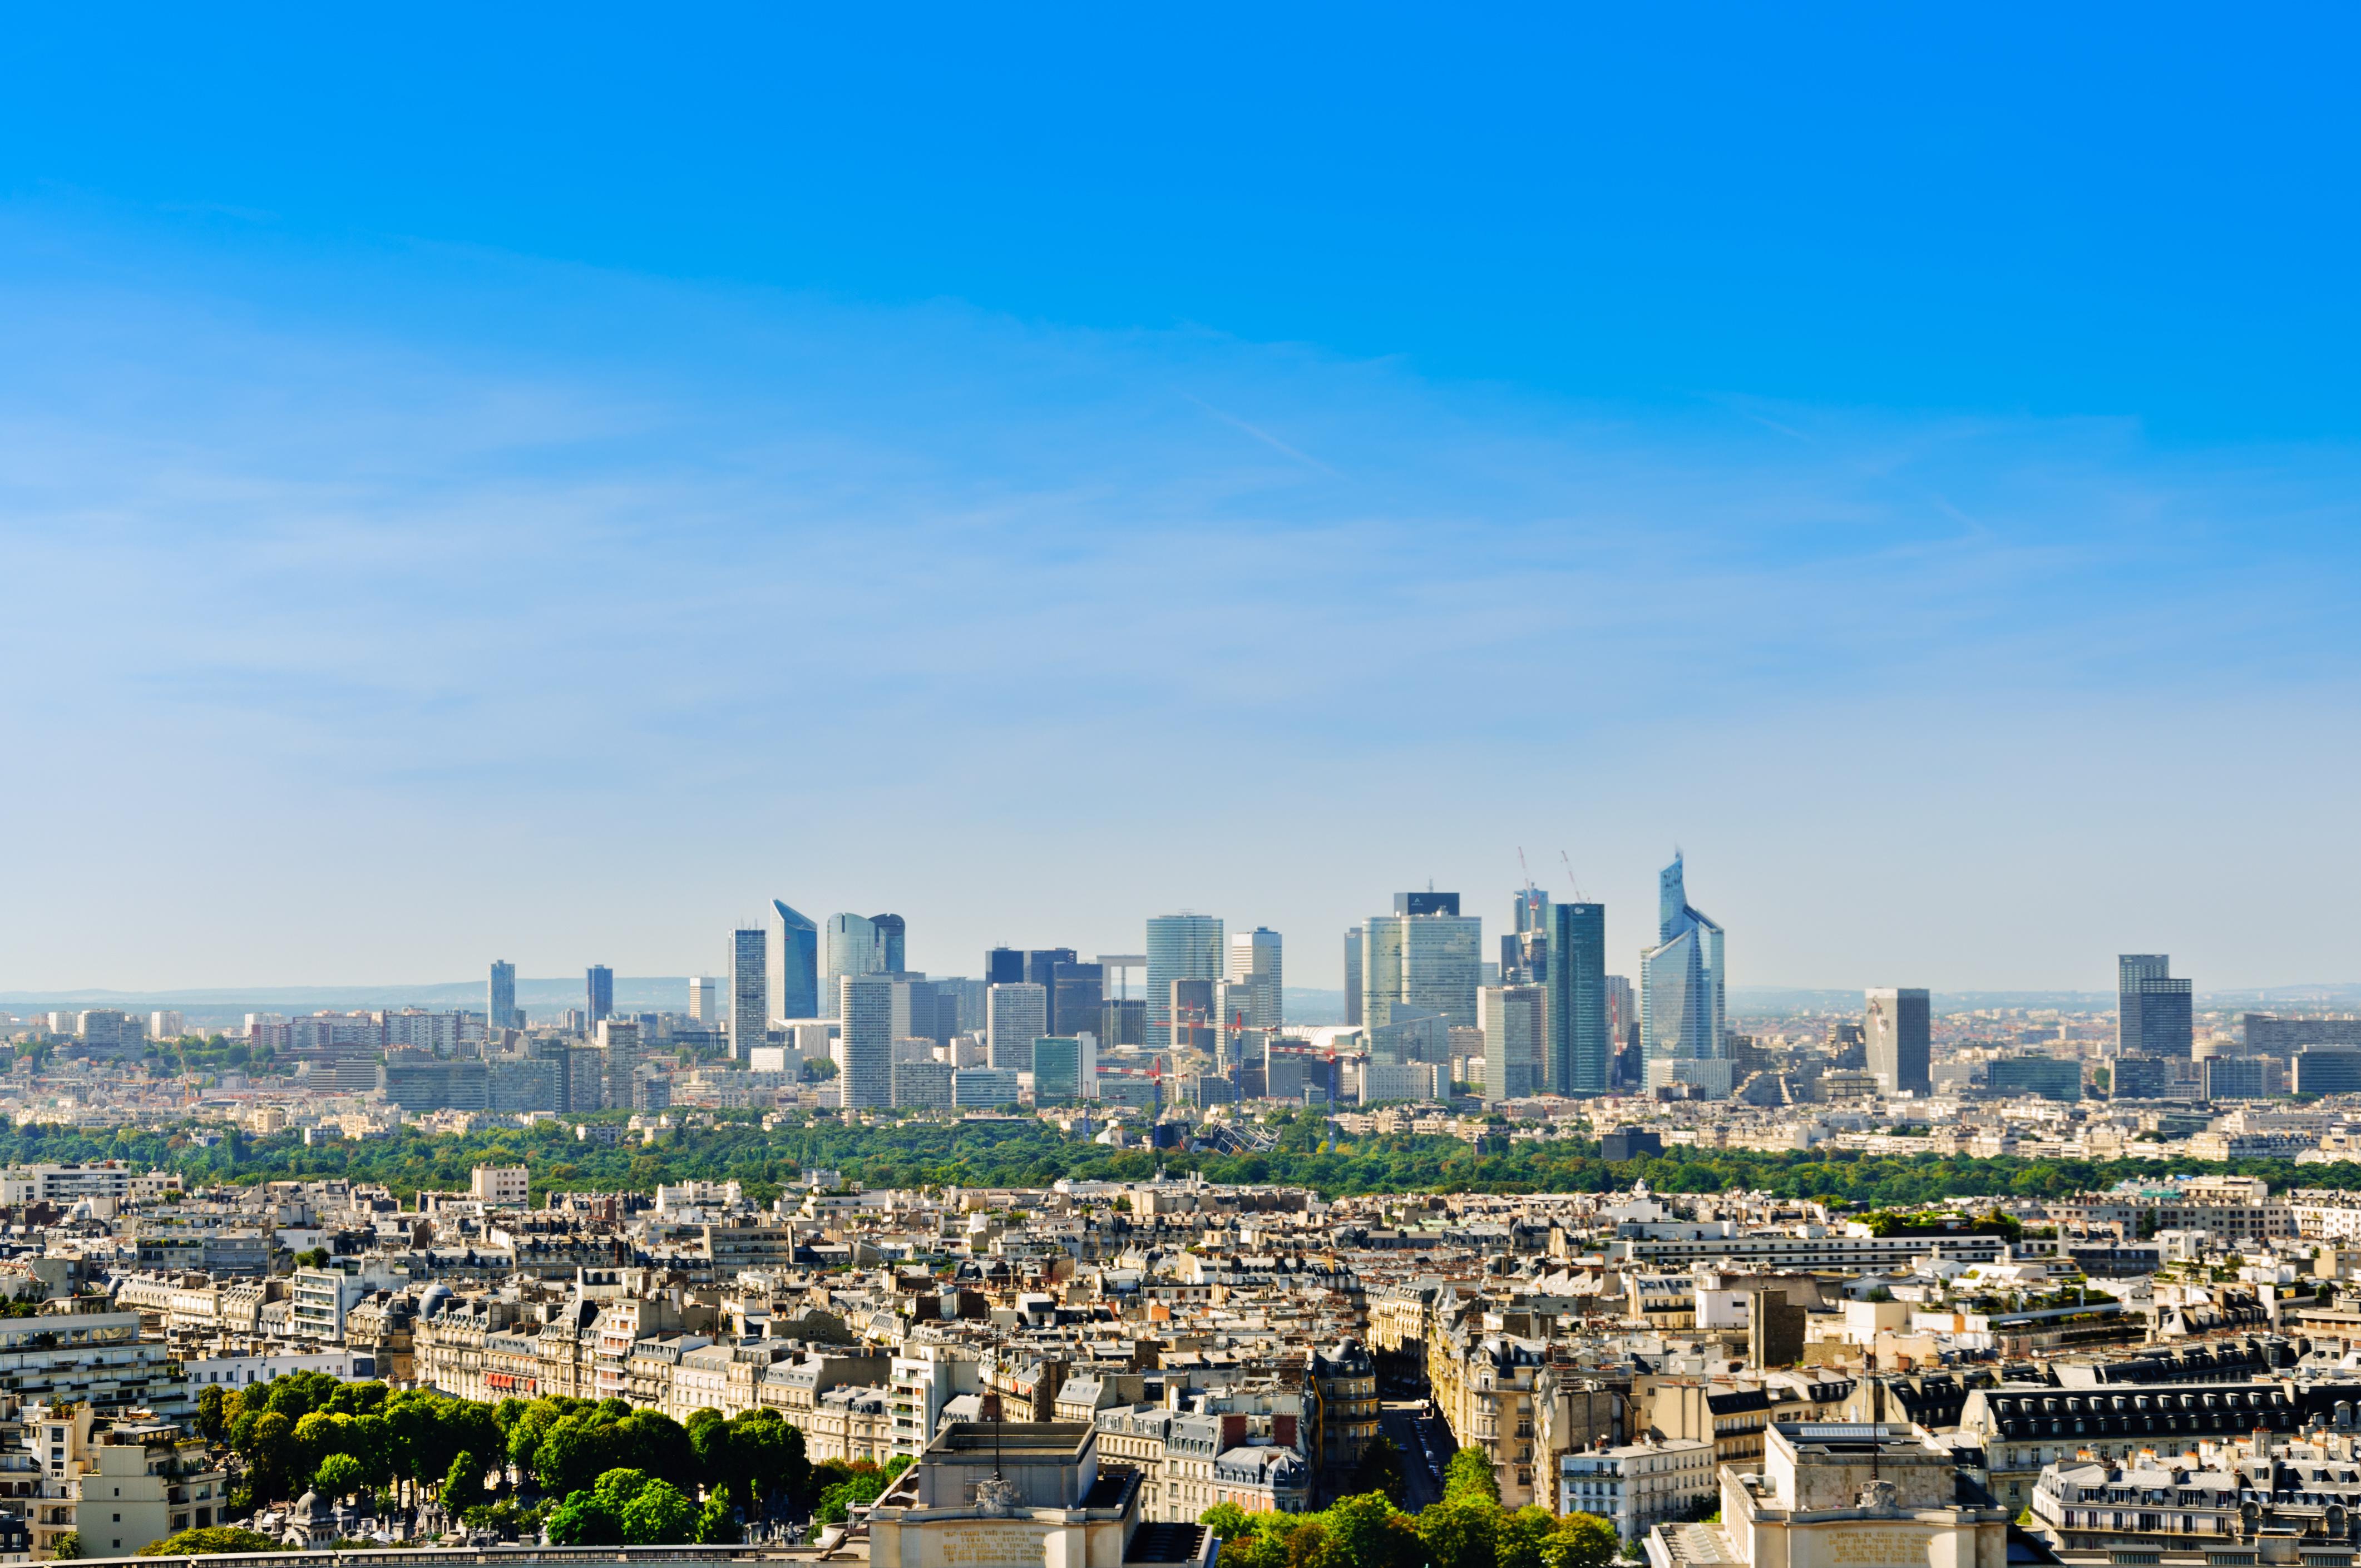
1680,1003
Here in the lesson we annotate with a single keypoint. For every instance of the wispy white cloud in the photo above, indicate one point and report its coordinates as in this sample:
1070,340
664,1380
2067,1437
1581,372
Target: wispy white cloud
934,607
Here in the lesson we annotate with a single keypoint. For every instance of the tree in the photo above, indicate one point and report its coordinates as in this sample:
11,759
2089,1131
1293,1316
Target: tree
269,1452
858,1490
1469,1475
717,1523
1226,1521
583,1520
1580,1541
1381,1470
619,1487
1461,1532
70,1544
463,1484
339,1476
1521,1536
313,1257
210,1538
1368,1532
660,1514
212,1417
319,1435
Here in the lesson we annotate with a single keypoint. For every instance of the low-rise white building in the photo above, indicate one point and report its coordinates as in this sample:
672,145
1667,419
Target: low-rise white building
1637,1485
504,1186
240,1371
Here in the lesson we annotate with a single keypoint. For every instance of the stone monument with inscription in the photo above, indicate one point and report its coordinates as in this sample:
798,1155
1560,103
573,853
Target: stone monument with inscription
1023,1495
1830,1495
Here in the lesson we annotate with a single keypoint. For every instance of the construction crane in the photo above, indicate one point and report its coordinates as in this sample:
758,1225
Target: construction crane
1574,881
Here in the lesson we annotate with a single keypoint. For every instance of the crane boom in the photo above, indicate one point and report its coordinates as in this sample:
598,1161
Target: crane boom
1571,880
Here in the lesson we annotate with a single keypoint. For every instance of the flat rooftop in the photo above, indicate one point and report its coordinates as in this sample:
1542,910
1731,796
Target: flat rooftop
1033,1440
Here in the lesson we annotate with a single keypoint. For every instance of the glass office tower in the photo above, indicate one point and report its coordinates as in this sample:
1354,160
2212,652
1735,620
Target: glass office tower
1426,958
1681,1014
1579,1050
1180,947
750,999
793,960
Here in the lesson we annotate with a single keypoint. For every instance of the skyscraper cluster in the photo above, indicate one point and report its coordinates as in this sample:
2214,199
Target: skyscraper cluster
1427,1006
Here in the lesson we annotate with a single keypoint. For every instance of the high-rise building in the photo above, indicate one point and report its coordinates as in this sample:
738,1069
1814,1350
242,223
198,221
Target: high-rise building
791,957
1042,969
1180,947
985,1087
1515,1024
1077,997
499,998
919,1012
922,1086
892,955
1581,1050
865,1046
1353,976
620,1046
1896,1027
1524,948
600,983
1622,1018
1425,957
701,1004
1427,902
166,1026
2154,1012
853,949
1255,962
1014,1017
1682,1015
1004,966
750,1000
1065,1069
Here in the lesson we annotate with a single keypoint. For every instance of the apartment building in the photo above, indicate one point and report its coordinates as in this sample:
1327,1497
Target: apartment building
120,1487
1636,1486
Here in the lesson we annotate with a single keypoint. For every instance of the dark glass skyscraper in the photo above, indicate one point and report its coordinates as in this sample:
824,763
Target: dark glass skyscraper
1578,1052
1076,998
1004,966
2155,1014
600,985
499,1010
793,963
891,945
1428,902
1041,969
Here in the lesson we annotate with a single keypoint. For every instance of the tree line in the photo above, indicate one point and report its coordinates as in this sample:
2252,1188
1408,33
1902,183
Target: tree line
1468,1529
1028,1152
600,1472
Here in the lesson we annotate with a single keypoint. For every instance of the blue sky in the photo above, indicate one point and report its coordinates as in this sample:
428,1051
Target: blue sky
540,487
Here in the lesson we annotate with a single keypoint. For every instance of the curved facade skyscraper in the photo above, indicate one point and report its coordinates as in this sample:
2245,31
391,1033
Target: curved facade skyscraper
1180,947
793,962
1682,1010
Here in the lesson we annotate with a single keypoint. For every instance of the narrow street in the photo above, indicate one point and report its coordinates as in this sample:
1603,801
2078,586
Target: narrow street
1426,1447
